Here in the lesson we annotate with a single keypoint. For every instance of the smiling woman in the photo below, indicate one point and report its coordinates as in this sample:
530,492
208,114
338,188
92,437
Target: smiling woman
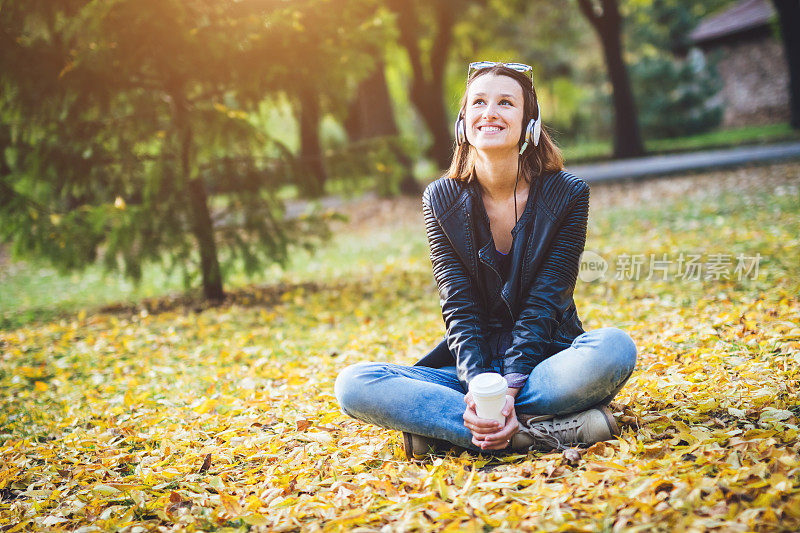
494,114
506,227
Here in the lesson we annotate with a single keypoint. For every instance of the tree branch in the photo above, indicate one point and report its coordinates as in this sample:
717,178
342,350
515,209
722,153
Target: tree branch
587,8
9,192
444,36
407,23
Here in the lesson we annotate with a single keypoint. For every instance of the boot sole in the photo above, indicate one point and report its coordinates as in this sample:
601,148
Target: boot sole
408,446
432,446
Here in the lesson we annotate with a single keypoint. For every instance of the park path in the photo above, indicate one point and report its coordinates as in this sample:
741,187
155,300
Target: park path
626,169
685,162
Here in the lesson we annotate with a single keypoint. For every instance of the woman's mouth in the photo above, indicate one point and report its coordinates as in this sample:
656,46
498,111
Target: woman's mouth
489,129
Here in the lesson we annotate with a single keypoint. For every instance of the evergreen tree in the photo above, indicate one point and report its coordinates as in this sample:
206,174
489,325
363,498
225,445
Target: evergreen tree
676,88
127,133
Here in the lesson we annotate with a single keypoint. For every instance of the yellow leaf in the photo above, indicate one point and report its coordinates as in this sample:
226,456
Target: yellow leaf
208,405
231,504
40,386
255,520
105,490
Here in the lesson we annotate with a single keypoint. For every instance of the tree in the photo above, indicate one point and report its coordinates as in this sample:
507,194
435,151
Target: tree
426,32
789,18
127,121
605,17
676,86
370,116
312,166
336,51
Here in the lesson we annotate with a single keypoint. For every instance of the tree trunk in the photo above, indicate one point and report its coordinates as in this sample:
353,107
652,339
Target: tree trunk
6,191
314,176
789,19
427,85
370,115
607,22
202,226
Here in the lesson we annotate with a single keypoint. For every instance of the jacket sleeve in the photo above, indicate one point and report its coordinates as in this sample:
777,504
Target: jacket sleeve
463,316
550,294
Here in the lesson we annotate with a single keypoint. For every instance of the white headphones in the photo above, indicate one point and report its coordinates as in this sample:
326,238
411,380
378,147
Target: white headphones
532,132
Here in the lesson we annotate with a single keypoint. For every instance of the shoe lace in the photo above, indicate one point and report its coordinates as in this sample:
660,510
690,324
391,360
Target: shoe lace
566,429
543,437
564,433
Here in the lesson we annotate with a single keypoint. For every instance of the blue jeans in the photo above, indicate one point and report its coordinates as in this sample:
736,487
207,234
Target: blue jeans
430,401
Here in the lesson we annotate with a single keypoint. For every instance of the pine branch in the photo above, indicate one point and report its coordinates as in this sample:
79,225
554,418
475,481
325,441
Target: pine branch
9,192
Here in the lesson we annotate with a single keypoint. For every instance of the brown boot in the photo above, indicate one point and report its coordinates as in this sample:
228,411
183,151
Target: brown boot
578,429
417,446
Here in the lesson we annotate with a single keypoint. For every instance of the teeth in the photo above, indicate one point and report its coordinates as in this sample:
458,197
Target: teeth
490,128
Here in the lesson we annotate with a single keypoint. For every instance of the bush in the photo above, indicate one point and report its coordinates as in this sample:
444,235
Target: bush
676,97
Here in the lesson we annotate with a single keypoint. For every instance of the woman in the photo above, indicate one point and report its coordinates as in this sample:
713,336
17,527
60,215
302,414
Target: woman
506,227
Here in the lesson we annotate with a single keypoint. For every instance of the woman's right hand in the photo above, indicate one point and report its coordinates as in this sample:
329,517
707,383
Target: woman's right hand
489,434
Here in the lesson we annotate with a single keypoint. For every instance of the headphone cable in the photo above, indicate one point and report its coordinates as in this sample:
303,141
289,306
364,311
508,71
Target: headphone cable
516,181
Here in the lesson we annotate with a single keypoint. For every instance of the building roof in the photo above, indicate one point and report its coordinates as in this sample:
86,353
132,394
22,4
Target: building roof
745,15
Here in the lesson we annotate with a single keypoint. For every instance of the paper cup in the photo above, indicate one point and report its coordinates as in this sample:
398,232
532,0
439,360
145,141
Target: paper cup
489,392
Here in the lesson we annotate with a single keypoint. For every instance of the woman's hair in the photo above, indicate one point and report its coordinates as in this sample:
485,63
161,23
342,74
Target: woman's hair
537,160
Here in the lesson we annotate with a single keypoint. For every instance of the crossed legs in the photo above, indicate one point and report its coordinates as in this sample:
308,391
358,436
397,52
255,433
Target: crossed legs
430,401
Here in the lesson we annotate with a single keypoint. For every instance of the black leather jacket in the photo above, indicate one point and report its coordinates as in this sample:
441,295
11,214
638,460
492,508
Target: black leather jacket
535,302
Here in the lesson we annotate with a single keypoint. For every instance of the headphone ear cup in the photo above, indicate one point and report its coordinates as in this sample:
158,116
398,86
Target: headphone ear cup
537,126
460,131
528,136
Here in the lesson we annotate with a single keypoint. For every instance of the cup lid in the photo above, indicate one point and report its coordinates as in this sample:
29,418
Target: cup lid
488,384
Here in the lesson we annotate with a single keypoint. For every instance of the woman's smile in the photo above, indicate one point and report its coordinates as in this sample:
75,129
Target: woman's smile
490,129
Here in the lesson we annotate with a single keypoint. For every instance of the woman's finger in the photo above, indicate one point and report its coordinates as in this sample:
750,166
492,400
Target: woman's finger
487,445
469,401
490,429
509,406
479,425
501,438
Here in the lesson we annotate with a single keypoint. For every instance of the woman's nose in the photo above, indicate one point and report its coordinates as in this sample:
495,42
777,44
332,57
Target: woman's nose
490,111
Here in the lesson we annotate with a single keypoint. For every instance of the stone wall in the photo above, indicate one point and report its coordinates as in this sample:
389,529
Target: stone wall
756,82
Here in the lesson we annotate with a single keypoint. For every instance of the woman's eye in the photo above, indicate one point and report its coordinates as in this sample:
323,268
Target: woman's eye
506,102
477,101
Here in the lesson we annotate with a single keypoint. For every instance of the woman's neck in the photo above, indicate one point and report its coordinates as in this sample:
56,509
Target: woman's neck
497,175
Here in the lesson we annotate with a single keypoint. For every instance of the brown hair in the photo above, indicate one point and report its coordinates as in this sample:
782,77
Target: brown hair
537,160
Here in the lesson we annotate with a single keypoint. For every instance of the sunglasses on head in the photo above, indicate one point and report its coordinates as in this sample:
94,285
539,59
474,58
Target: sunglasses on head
519,67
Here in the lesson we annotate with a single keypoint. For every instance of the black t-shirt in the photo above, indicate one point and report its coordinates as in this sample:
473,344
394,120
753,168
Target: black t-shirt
504,262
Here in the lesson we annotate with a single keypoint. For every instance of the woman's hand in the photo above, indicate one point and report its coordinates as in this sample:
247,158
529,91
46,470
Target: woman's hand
489,434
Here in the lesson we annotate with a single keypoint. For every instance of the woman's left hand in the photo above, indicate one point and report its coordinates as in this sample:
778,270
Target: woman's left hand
485,433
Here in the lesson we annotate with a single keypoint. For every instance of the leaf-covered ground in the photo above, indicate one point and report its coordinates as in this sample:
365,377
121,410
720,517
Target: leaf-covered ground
181,417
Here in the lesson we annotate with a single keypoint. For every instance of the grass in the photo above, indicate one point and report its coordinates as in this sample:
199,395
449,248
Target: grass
219,418
33,291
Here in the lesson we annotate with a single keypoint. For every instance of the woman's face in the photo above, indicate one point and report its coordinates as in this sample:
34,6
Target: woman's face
494,113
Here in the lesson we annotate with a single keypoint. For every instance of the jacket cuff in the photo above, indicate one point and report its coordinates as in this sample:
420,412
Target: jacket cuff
515,380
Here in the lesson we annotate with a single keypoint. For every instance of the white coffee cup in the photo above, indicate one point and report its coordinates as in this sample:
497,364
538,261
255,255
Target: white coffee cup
489,392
